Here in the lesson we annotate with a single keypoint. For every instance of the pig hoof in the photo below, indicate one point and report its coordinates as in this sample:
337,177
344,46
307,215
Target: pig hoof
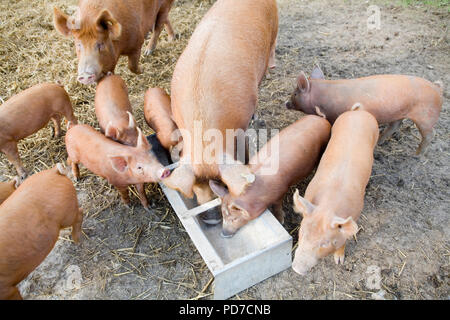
147,209
148,52
339,259
126,205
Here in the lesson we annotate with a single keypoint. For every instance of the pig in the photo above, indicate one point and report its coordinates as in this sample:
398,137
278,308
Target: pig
30,220
334,198
28,112
158,115
6,188
215,85
120,164
113,110
104,30
389,98
299,149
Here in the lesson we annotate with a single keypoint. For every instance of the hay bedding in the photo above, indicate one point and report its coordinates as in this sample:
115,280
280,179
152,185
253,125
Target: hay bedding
32,52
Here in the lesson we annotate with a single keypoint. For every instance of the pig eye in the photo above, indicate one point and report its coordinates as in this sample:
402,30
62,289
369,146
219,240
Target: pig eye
99,46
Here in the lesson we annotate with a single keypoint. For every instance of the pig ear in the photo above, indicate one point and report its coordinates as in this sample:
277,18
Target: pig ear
243,212
218,188
317,73
301,205
236,176
131,121
106,22
119,163
348,226
16,181
60,20
303,83
111,131
142,142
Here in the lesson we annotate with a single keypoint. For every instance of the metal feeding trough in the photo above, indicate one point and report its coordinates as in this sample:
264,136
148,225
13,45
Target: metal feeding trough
259,250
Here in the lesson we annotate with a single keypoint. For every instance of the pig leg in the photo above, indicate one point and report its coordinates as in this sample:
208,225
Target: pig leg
427,136
203,192
272,62
76,227
424,117
277,210
70,116
11,293
75,169
427,132
133,62
169,29
159,24
389,131
12,154
57,123
142,196
339,255
163,14
124,195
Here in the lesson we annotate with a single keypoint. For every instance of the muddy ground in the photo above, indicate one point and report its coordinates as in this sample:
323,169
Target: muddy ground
129,254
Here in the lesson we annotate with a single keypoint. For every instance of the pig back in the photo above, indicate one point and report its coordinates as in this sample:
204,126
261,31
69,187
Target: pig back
345,167
299,148
30,220
45,193
6,188
158,115
31,109
216,79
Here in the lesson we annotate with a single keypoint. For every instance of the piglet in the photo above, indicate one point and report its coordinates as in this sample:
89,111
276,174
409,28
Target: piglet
30,221
121,165
28,112
113,110
267,178
158,115
335,196
389,98
6,188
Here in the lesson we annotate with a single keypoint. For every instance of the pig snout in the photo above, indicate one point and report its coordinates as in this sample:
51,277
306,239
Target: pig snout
227,230
89,70
164,173
227,233
87,78
288,104
303,261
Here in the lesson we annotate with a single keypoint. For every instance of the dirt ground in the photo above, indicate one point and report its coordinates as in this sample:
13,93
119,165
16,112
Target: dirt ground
129,254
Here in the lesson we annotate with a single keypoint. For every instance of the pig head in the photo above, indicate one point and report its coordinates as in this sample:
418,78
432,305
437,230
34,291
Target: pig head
138,165
321,233
94,42
237,207
122,132
301,97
